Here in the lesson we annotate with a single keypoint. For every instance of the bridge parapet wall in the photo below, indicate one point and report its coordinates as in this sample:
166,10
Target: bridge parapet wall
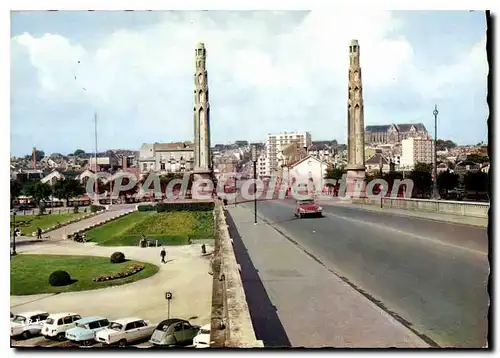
461,208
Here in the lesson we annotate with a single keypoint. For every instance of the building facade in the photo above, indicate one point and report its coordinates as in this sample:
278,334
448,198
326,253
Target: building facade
276,143
175,157
394,133
416,150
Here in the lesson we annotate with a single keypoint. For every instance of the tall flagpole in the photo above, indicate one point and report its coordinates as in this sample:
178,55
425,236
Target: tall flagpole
95,168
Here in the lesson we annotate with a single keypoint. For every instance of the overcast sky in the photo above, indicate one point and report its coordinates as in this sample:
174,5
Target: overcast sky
267,72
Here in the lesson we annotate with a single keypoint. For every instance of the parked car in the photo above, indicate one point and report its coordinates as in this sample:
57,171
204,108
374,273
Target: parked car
57,324
307,207
202,339
27,324
85,330
174,331
124,331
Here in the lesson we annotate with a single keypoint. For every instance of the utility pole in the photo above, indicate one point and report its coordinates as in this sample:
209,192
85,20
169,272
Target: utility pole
96,187
254,160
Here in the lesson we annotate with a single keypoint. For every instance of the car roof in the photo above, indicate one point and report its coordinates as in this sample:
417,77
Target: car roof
30,313
90,319
61,315
170,321
126,320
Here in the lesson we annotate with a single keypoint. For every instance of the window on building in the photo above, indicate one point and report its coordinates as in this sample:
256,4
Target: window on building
162,166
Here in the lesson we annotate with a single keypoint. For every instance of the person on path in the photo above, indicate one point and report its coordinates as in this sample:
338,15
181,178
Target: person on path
39,233
163,254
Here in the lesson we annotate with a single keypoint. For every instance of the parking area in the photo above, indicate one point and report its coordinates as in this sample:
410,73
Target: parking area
47,343
185,275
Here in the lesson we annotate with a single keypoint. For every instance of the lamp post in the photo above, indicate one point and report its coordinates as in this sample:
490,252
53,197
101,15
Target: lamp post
381,166
254,160
14,234
435,191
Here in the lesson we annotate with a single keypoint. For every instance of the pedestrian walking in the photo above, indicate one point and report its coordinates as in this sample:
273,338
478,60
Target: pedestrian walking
39,233
163,255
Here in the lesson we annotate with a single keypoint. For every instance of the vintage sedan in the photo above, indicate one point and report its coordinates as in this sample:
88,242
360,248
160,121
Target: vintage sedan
202,339
85,330
308,207
124,331
174,331
27,324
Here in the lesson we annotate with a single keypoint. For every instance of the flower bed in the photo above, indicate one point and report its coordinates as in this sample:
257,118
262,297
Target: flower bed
129,272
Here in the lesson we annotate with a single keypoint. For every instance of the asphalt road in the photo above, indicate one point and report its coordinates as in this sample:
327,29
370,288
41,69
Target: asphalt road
432,275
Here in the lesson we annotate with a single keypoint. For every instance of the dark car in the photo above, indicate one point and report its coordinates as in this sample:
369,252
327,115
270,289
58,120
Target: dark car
308,207
174,331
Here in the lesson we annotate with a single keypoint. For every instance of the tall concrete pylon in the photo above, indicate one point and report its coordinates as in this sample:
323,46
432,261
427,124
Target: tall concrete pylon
355,119
202,157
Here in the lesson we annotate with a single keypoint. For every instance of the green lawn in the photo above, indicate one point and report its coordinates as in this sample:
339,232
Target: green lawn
169,228
29,274
29,223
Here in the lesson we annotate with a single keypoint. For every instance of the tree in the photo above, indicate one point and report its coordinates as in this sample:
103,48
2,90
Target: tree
476,181
422,179
15,190
68,188
334,173
477,158
38,191
79,152
447,181
445,144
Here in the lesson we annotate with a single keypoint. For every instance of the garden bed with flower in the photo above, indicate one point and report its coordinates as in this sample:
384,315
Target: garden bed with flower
129,272
29,274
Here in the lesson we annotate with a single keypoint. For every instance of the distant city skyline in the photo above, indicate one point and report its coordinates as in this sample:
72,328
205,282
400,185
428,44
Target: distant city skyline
267,72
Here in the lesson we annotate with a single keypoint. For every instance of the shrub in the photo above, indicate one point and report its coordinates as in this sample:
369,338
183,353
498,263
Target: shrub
117,257
145,208
96,208
59,278
162,207
75,209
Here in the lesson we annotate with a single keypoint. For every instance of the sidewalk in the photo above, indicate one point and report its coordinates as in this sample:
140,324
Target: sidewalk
457,219
58,234
295,301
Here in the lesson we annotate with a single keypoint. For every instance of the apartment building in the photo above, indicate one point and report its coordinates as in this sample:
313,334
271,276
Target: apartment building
416,150
276,143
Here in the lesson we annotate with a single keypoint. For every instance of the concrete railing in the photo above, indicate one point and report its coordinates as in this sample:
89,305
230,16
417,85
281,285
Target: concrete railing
237,323
462,208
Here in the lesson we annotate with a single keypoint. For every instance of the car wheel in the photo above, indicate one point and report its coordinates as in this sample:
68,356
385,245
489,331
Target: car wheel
26,335
301,216
122,343
60,336
87,343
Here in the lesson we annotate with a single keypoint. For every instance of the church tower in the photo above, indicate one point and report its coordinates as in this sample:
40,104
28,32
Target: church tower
202,157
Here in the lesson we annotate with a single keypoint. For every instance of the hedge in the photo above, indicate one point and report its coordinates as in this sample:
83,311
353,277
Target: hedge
162,207
146,208
96,208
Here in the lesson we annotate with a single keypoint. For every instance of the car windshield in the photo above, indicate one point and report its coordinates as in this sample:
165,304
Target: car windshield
19,319
306,202
49,321
80,325
115,326
204,331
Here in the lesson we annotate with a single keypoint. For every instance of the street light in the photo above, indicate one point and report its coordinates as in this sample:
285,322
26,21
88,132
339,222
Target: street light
254,160
435,191
381,166
14,234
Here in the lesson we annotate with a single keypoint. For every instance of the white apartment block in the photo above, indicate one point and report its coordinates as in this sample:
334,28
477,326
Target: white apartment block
276,142
416,150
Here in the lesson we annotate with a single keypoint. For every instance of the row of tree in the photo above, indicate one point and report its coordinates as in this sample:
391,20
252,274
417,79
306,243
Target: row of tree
68,188
421,176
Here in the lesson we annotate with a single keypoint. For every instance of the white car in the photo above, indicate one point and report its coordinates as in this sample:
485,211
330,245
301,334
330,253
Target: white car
124,331
27,324
57,324
202,339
